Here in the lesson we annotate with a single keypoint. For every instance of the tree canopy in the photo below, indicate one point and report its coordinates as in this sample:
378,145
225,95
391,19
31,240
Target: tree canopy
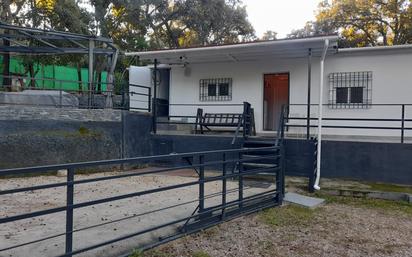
153,24
362,22
132,24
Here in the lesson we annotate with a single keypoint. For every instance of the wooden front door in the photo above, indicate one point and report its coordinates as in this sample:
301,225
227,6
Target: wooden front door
275,94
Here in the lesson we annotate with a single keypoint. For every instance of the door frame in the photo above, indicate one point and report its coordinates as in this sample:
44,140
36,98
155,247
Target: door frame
263,95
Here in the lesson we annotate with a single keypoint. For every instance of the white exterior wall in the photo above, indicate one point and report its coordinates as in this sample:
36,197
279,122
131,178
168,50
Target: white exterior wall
142,75
391,83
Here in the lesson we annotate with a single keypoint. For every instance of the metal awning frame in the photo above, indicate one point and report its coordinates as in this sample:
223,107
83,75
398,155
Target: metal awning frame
51,41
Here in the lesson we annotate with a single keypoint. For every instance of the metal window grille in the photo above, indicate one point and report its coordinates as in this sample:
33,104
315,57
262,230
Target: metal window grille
219,89
350,89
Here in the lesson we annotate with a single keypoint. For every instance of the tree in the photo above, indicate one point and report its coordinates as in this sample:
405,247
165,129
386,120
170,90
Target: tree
362,22
309,30
9,11
182,23
269,35
217,22
63,15
368,22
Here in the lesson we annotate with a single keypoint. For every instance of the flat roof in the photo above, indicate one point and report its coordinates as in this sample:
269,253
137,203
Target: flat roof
375,49
250,51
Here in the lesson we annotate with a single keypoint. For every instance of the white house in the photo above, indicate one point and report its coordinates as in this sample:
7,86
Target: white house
364,85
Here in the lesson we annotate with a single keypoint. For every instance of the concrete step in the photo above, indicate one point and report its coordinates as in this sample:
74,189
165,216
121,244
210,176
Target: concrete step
306,201
256,165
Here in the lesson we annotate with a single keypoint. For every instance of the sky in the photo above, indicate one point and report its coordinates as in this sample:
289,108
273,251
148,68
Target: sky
280,16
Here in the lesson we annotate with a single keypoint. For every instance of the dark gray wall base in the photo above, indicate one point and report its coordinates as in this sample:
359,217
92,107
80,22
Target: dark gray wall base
377,162
45,141
300,159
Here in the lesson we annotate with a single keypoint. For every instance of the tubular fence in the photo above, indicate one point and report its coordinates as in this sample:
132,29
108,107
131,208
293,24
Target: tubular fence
389,119
206,209
90,95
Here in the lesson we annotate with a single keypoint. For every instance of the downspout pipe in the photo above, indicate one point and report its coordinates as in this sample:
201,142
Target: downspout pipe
320,115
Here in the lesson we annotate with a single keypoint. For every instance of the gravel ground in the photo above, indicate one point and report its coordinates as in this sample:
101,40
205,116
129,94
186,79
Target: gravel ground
343,228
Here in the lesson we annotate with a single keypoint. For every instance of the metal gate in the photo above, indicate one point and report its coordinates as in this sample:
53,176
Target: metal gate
221,190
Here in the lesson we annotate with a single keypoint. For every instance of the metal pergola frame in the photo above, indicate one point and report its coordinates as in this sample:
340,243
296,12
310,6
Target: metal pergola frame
52,42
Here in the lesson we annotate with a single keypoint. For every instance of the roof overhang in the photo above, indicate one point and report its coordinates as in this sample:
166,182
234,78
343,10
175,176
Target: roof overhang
374,50
262,50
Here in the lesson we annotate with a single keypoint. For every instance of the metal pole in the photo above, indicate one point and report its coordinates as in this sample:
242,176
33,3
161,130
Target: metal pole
282,173
154,113
69,212
90,87
320,115
149,100
309,89
240,181
201,184
403,124
224,185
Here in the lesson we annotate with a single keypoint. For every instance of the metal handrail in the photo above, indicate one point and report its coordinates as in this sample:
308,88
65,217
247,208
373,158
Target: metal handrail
400,122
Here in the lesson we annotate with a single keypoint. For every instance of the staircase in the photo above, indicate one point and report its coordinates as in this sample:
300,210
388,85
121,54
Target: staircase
270,163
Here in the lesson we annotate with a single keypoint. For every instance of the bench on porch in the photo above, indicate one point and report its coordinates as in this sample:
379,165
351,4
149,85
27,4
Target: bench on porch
244,121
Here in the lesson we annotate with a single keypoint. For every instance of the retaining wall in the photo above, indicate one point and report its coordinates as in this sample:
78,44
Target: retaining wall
31,136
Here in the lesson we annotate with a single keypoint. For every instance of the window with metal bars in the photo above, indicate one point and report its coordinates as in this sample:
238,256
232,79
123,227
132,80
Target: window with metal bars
219,89
350,89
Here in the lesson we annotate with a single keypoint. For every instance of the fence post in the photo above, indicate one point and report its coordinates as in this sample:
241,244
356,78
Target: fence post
309,89
224,185
69,211
282,172
403,124
240,181
149,101
201,184
246,119
154,109
199,117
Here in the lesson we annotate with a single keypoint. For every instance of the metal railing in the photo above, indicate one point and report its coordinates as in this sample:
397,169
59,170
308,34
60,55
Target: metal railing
90,95
143,102
220,110
228,162
396,120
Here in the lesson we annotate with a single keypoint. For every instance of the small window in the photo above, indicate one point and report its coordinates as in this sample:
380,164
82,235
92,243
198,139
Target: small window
356,95
224,89
211,90
215,89
350,89
342,95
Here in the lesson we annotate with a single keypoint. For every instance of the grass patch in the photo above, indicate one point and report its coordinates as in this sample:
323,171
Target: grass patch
288,215
390,188
385,205
136,253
